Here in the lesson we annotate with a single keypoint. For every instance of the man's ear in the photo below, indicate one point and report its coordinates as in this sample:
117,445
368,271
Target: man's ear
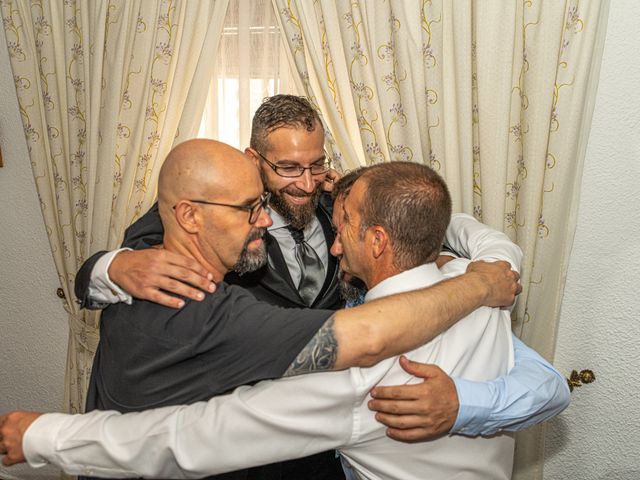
379,240
252,156
187,216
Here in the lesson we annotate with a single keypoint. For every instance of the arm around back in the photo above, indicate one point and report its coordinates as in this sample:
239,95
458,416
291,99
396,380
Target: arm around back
145,232
145,273
399,323
531,393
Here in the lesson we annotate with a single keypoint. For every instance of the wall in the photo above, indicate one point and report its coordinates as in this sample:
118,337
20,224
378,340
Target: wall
33,325
598,436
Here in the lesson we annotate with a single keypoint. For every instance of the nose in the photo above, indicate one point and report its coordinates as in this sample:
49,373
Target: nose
264,219
336,248
306,182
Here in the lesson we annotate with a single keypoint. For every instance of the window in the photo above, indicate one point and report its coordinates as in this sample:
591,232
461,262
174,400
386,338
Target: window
251,64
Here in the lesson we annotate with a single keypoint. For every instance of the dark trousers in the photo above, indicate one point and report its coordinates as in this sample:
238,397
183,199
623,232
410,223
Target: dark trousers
321,466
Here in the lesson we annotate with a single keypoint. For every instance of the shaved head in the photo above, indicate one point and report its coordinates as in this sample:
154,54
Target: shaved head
201,169
206,190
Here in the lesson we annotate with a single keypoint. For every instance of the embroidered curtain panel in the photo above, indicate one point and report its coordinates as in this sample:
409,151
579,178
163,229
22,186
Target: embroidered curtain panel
105,88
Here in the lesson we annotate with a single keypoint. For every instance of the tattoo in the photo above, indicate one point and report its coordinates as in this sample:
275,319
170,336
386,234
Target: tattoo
319,354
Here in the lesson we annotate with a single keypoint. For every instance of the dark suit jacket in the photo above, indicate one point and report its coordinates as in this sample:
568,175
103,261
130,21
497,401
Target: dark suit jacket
273,285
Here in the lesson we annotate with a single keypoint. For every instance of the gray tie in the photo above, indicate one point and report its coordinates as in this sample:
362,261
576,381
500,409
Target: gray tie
311,268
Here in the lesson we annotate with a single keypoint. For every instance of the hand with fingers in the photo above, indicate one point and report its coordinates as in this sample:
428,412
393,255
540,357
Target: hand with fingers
149,274
332,177
13,425
420,411
499,281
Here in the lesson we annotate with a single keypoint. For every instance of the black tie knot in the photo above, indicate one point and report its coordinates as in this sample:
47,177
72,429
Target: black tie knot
297,234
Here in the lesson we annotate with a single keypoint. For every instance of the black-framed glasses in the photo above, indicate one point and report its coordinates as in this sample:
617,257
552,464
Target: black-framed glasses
254,209
294,171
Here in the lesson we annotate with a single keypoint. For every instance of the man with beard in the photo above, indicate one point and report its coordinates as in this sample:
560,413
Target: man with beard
287,143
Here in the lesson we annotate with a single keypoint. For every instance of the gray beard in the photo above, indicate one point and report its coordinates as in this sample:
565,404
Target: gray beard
250,261
352,291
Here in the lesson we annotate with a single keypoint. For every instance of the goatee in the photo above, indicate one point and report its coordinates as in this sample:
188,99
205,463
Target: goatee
352,291
248,261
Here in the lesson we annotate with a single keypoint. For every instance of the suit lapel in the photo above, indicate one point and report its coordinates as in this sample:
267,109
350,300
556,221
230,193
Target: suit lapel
277,277
327,228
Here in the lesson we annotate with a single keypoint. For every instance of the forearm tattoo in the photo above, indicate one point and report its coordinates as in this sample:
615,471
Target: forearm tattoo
319,354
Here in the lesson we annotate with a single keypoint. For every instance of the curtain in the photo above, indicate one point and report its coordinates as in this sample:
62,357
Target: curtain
105,88
243,76
495,95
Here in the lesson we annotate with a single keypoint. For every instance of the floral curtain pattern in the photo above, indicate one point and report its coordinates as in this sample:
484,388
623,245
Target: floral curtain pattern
104,89
495,95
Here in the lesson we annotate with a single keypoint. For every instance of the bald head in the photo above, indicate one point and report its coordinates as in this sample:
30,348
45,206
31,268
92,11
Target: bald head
202,169
207,193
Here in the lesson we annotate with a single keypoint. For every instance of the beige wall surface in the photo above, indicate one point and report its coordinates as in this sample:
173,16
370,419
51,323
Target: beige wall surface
598,436
33,324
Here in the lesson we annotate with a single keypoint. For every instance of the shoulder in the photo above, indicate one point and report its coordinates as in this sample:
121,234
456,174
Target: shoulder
455,267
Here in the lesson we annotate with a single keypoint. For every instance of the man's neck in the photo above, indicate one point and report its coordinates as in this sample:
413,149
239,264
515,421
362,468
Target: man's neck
189,249
380,274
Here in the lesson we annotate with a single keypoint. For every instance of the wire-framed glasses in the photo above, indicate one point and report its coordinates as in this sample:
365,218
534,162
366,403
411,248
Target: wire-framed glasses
254,209
293,171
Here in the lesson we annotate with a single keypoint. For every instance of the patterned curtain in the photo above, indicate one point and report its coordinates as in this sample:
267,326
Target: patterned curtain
104,88
495,95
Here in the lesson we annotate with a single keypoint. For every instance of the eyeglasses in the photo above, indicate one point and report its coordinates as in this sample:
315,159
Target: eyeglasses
254,210
294,171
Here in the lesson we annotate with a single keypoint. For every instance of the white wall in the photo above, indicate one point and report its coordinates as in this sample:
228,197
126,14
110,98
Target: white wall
598,436
33,325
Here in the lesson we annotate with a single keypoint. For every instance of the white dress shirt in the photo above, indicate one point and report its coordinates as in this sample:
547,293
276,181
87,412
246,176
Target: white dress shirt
298,416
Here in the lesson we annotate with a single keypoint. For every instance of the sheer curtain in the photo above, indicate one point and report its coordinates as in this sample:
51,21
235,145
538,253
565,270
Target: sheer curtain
495,95
251,64
104,88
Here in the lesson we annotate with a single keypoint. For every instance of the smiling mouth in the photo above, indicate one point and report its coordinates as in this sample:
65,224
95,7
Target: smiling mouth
298,200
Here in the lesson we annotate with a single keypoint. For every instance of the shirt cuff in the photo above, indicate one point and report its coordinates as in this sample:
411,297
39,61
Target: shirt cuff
38,442
101,289
475,400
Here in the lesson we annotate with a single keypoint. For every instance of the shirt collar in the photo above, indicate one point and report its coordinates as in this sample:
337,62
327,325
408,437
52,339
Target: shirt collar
278,220
412,279
279,223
